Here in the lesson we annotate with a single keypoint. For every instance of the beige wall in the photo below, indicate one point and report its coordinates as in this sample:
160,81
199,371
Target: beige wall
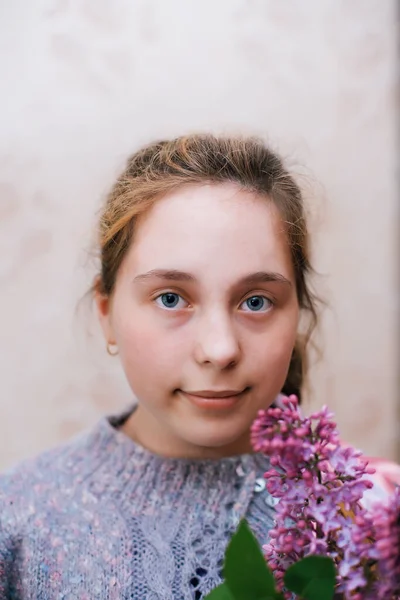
85,82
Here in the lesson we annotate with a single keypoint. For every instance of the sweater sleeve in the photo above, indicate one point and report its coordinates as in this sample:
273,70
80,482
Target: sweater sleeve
8,545
5,566
6,558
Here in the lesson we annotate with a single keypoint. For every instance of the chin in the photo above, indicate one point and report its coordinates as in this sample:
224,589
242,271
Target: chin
233,440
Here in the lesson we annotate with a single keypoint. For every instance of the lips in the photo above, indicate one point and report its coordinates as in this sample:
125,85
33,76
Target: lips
216,394
215,400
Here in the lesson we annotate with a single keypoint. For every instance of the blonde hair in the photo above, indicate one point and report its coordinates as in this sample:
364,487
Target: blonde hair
164,166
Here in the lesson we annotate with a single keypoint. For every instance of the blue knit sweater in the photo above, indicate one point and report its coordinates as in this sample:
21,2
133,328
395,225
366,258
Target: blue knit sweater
102,518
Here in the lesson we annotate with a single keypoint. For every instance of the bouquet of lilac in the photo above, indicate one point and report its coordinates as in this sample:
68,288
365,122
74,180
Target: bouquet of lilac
325,544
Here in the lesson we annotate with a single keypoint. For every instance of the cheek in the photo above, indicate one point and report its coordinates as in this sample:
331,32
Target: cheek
271,359
272,353
146,350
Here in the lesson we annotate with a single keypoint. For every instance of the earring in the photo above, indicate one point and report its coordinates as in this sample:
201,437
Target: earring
112,349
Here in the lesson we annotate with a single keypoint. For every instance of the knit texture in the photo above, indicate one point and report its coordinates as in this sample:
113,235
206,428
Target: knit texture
103,518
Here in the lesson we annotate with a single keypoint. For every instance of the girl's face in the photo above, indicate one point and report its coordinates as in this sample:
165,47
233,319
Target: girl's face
204,306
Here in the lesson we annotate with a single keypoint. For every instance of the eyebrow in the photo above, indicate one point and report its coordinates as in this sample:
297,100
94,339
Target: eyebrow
175,275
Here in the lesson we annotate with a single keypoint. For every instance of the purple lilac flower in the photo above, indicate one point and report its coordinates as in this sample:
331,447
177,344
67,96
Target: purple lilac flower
376,539
320,485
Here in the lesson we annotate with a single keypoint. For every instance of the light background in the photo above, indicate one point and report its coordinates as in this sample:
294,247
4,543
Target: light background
85,82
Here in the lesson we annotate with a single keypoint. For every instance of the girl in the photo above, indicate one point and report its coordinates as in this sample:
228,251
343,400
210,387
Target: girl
203,280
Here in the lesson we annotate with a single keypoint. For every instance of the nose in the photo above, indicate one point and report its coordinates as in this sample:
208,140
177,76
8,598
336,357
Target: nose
217,342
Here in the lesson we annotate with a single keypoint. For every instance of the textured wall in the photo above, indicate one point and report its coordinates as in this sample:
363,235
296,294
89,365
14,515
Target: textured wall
85,82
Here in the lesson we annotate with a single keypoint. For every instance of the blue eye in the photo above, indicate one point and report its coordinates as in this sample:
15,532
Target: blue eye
258,304
169,300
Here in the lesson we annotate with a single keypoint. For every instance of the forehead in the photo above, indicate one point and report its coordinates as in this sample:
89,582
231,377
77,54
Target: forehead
211,227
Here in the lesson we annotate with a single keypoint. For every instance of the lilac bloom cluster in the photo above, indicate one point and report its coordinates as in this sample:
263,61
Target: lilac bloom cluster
377,538
319,485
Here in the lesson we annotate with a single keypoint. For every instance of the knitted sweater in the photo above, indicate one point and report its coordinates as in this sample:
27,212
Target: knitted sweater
102,518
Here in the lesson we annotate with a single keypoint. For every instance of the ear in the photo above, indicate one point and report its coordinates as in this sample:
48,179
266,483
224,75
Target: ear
103,306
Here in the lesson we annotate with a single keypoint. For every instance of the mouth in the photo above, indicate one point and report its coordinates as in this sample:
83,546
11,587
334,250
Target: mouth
215,399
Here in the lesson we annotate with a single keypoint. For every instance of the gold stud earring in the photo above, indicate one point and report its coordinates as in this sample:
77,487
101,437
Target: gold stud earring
112,349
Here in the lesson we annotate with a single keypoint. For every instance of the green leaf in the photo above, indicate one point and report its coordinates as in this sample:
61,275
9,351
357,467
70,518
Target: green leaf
220,593
312,578
245,570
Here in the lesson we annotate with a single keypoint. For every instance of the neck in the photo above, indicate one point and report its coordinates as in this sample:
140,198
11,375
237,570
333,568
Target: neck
156,437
